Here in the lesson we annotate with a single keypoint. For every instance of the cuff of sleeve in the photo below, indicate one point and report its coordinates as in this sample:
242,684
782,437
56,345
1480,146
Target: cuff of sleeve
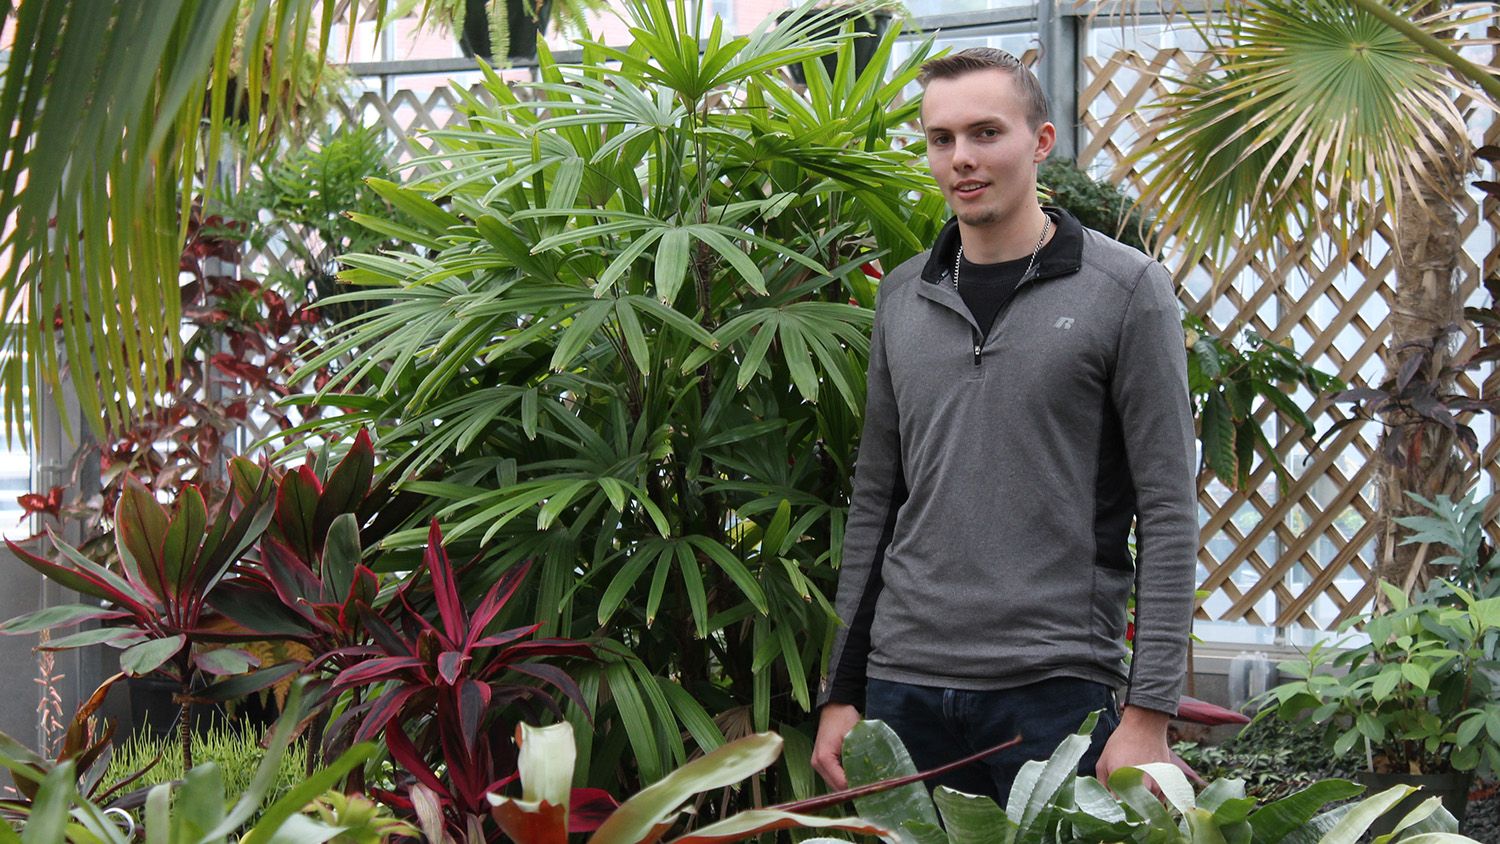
1155,703
841,693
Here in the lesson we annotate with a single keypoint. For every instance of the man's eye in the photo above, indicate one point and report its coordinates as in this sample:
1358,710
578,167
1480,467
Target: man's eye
989,133
939,140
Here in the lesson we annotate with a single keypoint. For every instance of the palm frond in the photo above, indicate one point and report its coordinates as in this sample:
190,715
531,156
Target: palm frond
109,112
1308,115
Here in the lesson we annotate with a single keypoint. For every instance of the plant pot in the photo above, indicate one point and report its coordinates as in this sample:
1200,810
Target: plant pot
153,709
830,22
474,40
1453,787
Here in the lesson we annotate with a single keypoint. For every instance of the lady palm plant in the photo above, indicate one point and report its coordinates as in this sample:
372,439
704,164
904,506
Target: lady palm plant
633,342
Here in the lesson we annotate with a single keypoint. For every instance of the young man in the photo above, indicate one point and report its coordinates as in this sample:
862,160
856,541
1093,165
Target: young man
1027,401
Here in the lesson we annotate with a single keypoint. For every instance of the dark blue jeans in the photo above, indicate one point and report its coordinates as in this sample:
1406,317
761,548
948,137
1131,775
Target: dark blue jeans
939,726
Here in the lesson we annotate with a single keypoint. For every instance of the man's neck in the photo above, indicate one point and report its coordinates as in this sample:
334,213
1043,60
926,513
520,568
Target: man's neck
1005,240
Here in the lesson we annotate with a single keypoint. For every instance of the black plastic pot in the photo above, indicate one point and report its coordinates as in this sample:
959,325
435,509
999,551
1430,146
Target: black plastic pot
829,22
1453,787
524,29
153,709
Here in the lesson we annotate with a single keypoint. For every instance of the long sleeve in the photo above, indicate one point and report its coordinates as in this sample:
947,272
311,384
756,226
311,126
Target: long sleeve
1150,393
879,491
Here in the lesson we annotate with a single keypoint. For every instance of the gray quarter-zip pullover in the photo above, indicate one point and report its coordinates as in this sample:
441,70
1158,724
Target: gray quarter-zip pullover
998,477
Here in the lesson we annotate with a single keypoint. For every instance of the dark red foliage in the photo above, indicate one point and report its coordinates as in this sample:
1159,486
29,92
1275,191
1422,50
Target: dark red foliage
455,677
41,505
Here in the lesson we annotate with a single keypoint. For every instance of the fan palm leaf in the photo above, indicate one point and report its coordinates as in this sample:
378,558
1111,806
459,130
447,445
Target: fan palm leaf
1305,115
107,113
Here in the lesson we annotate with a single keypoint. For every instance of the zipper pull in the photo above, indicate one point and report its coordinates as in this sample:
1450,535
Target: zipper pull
976,354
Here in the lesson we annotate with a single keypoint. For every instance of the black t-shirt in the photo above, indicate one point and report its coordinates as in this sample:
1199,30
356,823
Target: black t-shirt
987,288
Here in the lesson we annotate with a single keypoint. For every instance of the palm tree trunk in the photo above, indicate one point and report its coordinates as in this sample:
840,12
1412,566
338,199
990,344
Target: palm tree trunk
1426,300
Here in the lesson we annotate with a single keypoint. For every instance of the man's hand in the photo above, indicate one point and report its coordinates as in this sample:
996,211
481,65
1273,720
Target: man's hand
1140,738
835,722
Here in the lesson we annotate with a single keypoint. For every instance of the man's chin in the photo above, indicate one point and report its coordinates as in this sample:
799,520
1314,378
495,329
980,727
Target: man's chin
978,218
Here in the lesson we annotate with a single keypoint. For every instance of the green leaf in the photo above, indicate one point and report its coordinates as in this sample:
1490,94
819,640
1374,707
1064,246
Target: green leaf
586,322
773,542
296,799
48,819
624,580
92,637
671,264
731,565
1218,440
142,659
51,618
734,256
1416,674
1129,784
341,553
969,818
659,801
141,534
873,753
1353,825
757,821
223,661
415,205
1281,818
184,536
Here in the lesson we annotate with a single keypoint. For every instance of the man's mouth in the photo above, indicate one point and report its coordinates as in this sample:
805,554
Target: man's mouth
969,189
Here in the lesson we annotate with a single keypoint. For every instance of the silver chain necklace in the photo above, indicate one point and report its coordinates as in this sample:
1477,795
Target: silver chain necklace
1046,227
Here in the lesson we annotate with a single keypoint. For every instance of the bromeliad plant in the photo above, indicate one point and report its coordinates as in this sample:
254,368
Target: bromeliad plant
156,609
1050,804
634,338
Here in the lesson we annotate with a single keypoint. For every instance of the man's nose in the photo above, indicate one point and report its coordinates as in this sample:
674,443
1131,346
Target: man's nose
963,155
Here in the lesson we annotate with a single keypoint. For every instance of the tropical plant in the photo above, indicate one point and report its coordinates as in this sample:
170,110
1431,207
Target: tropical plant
1230,383
301,202
1473,562
1098,204
192,811
1311,117
237,357
149,80
1419,696
1050,803
1274,757
359,819
634,343
156,608
451,679
542,813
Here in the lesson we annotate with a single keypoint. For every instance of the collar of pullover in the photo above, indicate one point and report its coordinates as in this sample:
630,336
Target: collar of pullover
1062,255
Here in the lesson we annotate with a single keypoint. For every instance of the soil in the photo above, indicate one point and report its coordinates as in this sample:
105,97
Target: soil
1483,821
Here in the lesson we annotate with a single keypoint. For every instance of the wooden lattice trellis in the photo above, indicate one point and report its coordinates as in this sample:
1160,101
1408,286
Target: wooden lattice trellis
1321,528
1301,557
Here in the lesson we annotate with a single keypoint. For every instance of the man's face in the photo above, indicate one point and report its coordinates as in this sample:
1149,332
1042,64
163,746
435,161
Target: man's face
981,149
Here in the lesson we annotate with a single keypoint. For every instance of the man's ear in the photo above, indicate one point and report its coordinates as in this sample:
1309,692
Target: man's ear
1046,139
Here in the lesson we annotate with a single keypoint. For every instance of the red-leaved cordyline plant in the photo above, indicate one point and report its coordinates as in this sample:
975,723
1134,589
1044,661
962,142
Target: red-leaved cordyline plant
457,678
157,610
312,572
311,569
